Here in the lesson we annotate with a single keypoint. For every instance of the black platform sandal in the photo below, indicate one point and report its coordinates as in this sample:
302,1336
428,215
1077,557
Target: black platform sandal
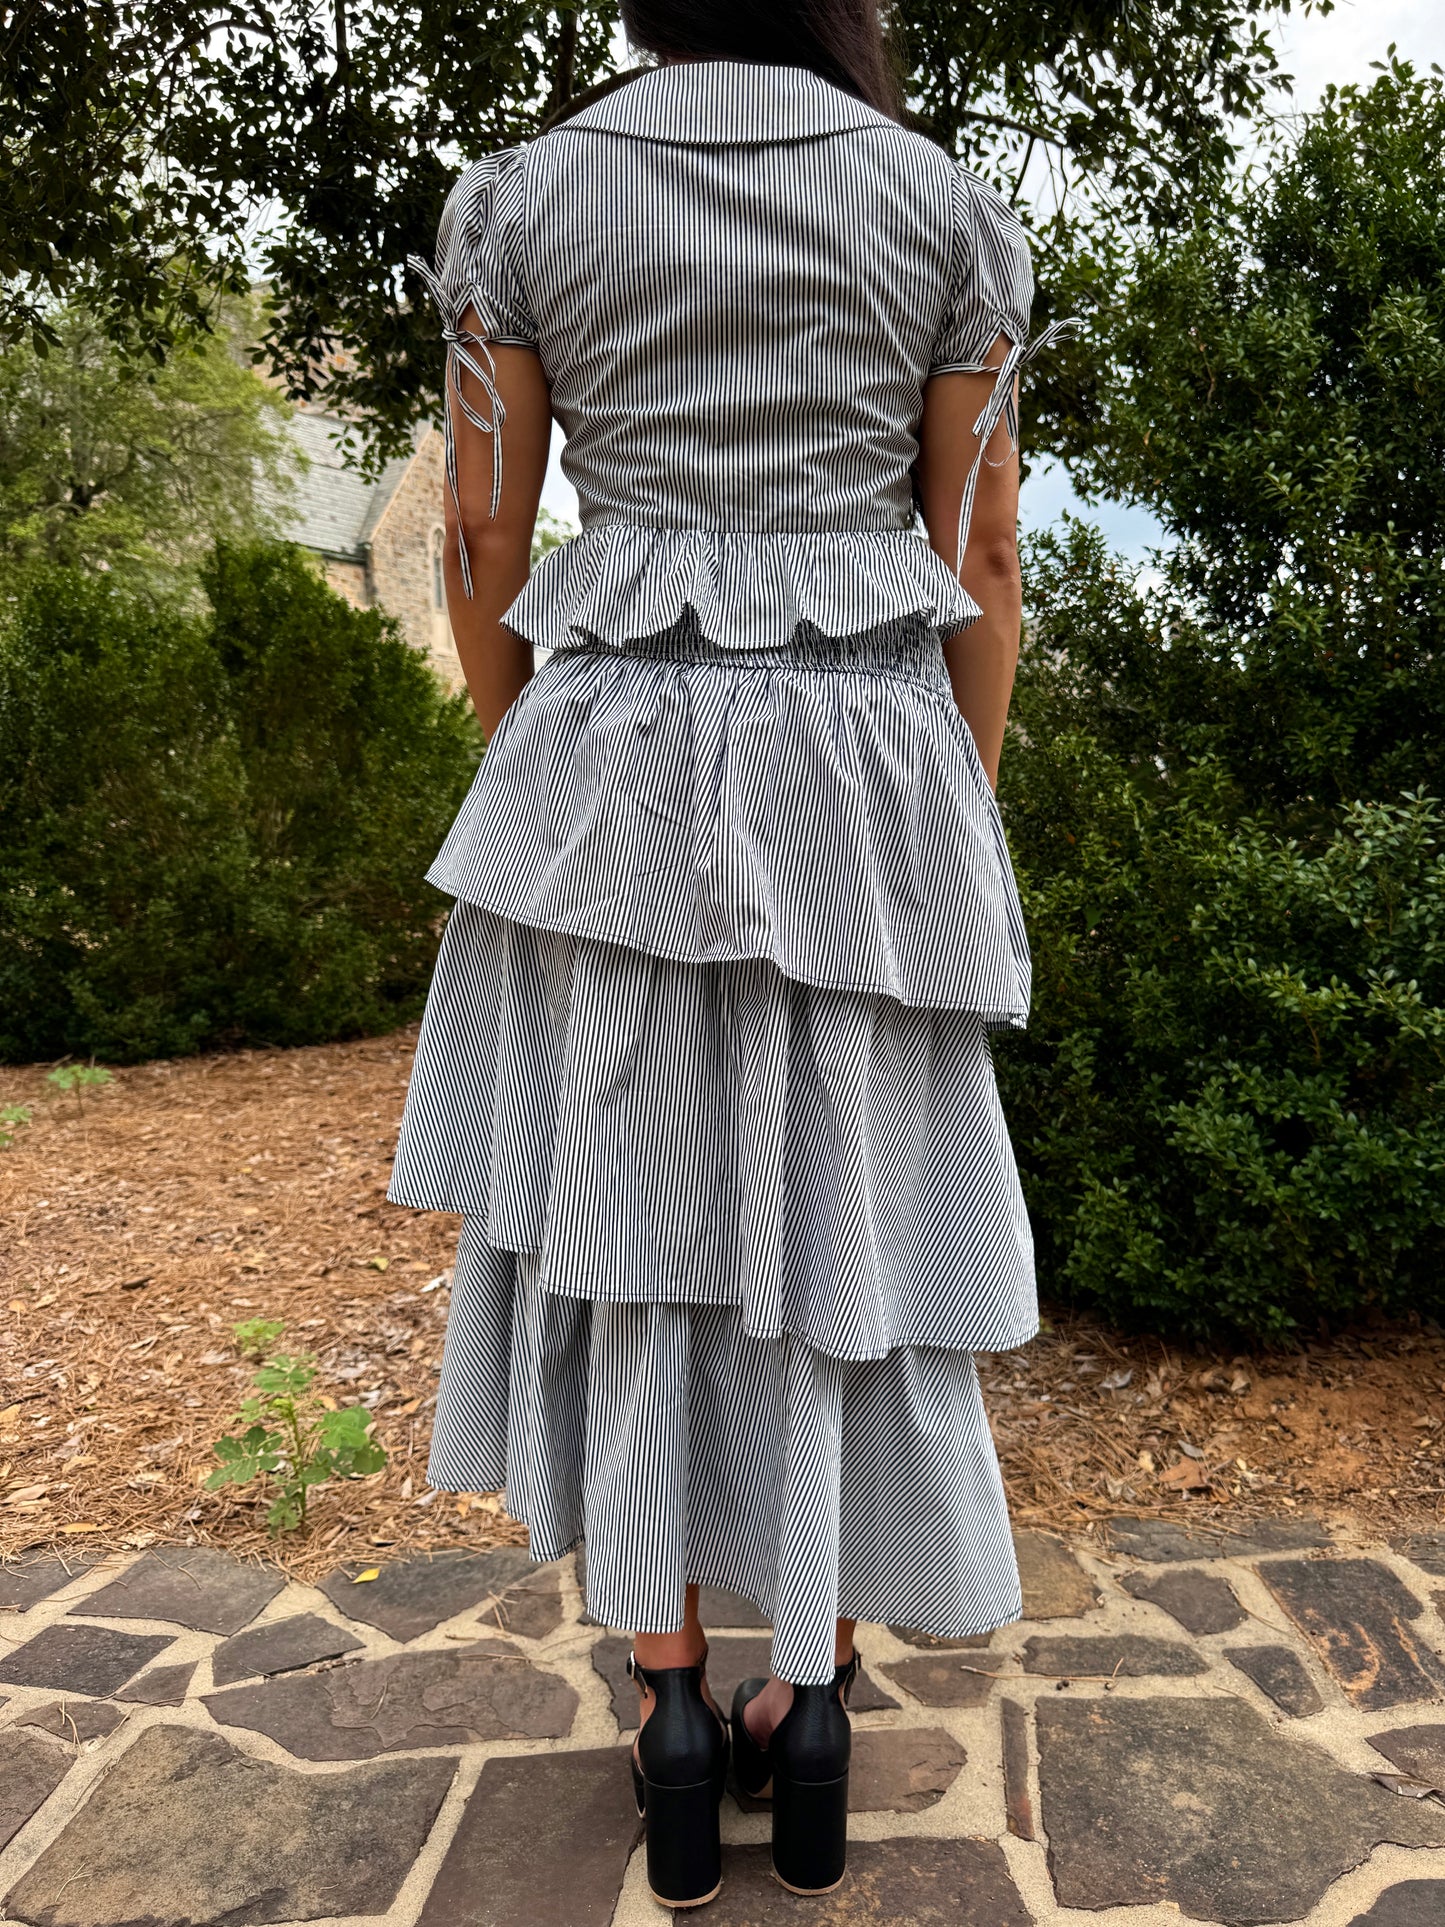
804,1767
683,1749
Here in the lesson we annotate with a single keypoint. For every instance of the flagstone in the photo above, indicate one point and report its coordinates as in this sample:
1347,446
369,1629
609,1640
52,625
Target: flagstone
1425,1549
31,1768
201,1587
1206,1804
1202,1602
187,1831
1411,1903
716,1606
1110,1656
1279,1674
412,1596
160,1686
487,1690
1356,1613
75,1720
936,1643
948,1679
80,1659
902,1770
529,1609
282,1646
1055,1585
1018,1802
893,1770
1165,1541
1416,1750
543,1838
25,1582
911,1882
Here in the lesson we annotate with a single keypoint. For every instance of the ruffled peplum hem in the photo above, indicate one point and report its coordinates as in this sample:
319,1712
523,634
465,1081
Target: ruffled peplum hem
744,589
834,1165
821,807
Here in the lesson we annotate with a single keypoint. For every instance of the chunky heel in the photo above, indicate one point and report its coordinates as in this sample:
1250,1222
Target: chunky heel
684,1847
810,1833
810,1752
678,1772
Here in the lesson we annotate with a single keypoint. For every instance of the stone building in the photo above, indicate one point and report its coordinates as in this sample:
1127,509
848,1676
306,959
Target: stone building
379,543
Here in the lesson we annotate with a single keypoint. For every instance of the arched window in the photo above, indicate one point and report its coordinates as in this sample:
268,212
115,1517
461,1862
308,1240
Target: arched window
438,577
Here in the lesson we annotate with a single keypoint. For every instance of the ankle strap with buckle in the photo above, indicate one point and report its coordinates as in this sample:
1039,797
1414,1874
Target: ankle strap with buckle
641,1674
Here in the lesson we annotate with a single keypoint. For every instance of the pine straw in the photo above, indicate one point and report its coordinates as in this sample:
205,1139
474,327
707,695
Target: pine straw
147,1217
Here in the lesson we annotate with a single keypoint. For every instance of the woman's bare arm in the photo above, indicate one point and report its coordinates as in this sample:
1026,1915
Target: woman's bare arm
496,663
982,658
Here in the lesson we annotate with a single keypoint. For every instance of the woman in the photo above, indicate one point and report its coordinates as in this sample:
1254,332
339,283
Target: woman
705,1065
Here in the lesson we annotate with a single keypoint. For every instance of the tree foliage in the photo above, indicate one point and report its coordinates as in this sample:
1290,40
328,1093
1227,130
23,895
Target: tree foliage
1228,1106
154,146
1272,385
110,462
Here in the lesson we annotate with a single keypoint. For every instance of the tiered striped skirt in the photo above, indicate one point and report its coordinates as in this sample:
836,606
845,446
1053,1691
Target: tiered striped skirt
731,1236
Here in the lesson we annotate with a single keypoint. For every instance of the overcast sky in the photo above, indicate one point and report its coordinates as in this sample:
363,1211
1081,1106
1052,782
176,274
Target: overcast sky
1336,48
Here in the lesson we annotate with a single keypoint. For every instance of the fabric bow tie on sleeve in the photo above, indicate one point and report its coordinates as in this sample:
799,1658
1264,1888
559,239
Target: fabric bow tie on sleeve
1000,407
460,344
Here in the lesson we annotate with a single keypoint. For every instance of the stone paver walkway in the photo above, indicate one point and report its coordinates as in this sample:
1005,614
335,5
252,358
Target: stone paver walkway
1238,1730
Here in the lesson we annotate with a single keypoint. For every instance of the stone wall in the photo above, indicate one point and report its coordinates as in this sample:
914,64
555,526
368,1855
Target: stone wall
349,580
404,578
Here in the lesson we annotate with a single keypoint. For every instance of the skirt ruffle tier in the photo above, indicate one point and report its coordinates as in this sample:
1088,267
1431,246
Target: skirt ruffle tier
680,1448
738,1199
833,1164
820,805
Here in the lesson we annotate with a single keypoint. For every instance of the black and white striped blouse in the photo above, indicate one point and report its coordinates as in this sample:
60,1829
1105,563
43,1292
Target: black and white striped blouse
738,279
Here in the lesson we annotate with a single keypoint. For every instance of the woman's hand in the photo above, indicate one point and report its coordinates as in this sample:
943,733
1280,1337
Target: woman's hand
981,659
496,663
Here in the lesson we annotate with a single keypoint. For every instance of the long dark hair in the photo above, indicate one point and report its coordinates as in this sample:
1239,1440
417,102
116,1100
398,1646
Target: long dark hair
840,40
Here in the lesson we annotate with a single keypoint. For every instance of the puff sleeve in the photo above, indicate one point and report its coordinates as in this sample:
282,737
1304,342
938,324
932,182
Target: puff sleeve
478,272
991,293
991,290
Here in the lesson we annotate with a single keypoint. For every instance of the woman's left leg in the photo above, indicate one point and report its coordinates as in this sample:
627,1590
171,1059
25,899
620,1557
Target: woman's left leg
679,1765
656,1652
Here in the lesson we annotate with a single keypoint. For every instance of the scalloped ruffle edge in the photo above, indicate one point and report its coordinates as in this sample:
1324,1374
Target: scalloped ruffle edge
746,589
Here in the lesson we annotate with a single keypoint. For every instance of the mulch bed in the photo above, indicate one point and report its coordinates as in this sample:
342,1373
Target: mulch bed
145,1217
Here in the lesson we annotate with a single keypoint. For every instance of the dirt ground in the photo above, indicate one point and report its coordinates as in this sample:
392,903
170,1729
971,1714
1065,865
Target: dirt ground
141,1219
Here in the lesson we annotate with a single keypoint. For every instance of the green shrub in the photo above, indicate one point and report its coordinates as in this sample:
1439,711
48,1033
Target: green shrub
1222,788
214,828
1230,1105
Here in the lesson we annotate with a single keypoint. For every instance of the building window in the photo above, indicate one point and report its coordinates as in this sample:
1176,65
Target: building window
438,577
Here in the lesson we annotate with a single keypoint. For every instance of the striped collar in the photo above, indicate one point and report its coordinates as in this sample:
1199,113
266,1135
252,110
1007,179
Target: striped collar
726,103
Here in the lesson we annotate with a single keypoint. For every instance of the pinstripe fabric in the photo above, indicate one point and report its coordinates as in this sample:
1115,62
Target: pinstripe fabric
734,235
683,1449
738,279
832,1163
705,1065
823,808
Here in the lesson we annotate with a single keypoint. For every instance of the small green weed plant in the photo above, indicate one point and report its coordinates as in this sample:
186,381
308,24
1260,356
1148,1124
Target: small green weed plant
290,1436
13,1117
79,1078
